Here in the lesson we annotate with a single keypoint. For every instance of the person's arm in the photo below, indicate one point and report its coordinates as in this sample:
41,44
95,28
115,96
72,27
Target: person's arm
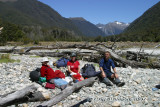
42,72
69,69
113,66
101,68
78,69
68,66
103,73
114,69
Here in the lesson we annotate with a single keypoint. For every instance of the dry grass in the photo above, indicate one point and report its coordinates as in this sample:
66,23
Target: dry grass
120,45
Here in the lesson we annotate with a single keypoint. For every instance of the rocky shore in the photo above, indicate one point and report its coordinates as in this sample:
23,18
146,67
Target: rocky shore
136,93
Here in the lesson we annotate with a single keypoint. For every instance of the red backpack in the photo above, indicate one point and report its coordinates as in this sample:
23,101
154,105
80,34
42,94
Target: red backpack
59,74
50,86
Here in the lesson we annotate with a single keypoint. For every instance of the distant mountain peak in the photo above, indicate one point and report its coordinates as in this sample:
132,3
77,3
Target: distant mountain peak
118,23
78,18
113,28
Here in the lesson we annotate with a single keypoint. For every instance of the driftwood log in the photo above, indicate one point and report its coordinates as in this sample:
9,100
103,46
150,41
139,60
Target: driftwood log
137,56
27,94
8,50
68,91
100,49
115,57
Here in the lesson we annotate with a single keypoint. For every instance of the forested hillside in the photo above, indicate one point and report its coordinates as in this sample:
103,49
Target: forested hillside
87,28
37,20
33,12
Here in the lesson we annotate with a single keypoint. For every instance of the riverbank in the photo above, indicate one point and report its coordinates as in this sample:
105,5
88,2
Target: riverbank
137,91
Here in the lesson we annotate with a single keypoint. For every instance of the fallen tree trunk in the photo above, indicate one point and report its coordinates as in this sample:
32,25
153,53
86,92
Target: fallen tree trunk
136,56
68,91
29,93
101,50
61,54
114,56
8,50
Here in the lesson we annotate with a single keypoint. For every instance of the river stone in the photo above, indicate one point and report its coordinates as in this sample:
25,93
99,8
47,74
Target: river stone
104,90
102,85
116,104
138,81
154,99
73,96
129,106
116,93
96,84
25,105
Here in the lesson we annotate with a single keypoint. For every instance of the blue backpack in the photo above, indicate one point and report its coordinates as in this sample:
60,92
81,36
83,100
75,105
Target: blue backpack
89,71
62,62
60,83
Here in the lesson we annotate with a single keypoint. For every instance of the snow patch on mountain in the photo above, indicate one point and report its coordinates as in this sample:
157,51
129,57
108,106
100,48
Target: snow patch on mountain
113,28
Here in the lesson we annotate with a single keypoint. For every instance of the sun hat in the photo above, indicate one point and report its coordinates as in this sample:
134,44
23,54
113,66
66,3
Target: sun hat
45,59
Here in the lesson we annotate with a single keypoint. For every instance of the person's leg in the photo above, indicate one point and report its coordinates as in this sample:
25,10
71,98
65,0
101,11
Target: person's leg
74,80
82,78
106,80
115,78
111,77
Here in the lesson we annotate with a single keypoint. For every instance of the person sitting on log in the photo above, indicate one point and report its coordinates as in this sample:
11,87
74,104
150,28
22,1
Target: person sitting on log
105,65
74,69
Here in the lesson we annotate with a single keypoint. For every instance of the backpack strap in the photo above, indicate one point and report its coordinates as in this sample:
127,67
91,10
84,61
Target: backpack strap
47,68
93,66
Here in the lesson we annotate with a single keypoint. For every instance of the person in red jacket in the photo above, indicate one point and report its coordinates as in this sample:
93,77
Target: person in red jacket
74,69
46,70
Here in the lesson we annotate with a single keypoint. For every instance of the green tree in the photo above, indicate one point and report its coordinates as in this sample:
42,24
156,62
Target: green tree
11,32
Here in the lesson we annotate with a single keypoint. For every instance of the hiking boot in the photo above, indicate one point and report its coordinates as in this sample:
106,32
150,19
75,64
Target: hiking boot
108,84
120,84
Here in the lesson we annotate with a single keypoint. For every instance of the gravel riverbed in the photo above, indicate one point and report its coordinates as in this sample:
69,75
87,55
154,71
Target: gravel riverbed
137,91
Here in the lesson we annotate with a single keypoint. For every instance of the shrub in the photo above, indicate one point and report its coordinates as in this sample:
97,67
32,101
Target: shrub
5,58
26,40
36,42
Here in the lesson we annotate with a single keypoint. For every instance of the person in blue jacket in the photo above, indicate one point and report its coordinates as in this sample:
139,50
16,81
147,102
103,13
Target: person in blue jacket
105,65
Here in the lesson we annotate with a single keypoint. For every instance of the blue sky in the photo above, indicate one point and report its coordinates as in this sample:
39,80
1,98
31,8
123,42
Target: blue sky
101,11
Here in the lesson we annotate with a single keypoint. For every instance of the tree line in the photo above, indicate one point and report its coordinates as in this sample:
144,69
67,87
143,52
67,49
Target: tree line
27,34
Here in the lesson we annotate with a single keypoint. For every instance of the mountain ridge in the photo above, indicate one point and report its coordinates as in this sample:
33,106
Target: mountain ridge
34,13
86,27
113,28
